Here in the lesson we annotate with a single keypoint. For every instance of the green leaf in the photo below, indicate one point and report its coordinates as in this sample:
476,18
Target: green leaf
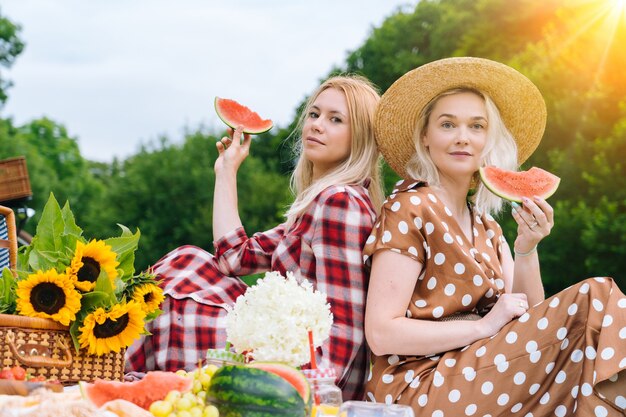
35,260
125,246
70,227
156,313
93,300
50,227
23,253
7,292
75,333
103,286
89,303
68,246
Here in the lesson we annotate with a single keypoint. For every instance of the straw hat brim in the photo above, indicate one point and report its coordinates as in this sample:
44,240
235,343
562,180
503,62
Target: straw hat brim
519,102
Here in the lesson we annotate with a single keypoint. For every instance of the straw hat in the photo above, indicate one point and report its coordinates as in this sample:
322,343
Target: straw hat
520,103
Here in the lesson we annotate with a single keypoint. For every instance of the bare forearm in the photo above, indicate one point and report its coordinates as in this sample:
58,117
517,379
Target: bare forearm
527,278
403,336
225,204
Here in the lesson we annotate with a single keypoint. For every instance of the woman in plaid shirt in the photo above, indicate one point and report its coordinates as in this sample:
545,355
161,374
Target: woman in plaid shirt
338,191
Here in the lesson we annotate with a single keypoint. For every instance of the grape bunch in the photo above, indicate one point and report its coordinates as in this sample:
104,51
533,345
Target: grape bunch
188,404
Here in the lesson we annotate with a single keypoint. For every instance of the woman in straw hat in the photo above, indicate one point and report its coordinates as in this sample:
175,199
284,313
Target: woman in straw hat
338,191
457,325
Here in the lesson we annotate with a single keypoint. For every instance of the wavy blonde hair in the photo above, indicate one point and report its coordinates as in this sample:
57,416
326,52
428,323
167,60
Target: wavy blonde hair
364,162
500,150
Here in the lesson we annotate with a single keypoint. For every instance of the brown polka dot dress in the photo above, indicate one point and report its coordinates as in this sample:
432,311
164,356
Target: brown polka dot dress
548,362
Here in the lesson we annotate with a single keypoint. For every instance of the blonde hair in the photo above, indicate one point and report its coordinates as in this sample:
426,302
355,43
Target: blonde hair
500,150
362,165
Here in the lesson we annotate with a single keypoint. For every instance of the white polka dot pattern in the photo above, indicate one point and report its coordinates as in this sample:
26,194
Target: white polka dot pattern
542,354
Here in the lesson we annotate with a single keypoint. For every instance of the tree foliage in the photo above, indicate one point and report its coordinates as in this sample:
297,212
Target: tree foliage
573,51
166,190
10,47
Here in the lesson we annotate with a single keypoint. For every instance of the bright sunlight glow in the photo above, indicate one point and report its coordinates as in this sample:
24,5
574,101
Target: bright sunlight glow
617,6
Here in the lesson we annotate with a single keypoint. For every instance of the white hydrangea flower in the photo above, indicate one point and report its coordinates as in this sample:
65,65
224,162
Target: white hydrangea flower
273,317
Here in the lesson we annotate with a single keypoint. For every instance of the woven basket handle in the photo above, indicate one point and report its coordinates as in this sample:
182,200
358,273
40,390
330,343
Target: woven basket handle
38,361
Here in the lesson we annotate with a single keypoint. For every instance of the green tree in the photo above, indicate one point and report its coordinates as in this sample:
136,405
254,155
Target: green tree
10,47
574,52
406,40
166,191
54,165
600,206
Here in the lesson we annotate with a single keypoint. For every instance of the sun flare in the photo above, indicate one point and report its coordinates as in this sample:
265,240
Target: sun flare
617,5
616,9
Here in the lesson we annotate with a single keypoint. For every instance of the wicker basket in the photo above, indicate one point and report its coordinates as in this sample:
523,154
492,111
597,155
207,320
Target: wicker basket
44,348
14,181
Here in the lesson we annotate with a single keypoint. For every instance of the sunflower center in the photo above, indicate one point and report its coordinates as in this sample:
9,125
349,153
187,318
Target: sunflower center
89,271
47,297
110,327
148,297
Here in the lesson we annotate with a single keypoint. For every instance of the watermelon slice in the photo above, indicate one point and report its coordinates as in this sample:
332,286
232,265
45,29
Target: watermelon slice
288,373
513,185
243,390
234,114
153,387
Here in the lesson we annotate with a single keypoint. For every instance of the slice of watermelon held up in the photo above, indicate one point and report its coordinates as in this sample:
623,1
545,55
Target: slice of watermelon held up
514,185
235,114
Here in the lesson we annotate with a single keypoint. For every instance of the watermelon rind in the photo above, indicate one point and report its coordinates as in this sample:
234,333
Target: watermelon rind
252,123
514,186
243,391
292,375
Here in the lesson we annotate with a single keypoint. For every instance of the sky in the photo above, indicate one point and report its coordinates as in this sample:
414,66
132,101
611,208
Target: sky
119,73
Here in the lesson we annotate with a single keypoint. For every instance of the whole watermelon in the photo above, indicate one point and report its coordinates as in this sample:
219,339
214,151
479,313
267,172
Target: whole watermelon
242,391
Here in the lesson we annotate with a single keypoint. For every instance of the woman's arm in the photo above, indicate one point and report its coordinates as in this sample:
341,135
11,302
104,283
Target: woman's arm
237,254
523,275
389,331
232,153
527,276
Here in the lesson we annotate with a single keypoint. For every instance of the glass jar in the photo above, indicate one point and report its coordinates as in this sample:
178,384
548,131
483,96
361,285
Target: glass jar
327,396
367,409
221,357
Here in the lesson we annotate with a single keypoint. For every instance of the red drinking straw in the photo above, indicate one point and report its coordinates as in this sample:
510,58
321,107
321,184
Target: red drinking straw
312,350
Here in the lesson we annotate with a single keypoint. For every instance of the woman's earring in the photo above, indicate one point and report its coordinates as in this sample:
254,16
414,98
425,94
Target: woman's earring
475,180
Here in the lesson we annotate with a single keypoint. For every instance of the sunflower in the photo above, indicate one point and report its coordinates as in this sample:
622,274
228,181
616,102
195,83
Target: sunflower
89,259
105,331
48,295
149,296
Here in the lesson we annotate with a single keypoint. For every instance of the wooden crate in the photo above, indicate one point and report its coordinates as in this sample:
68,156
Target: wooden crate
14,181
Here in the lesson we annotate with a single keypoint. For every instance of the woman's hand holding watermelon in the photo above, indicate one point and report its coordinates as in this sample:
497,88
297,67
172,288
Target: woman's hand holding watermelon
232,151
535,219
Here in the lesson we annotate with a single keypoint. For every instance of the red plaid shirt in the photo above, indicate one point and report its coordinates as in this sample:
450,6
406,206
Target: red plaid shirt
324,246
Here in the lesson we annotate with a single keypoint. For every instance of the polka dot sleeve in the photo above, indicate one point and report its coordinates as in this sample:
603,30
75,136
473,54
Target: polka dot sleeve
495,237
399,228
